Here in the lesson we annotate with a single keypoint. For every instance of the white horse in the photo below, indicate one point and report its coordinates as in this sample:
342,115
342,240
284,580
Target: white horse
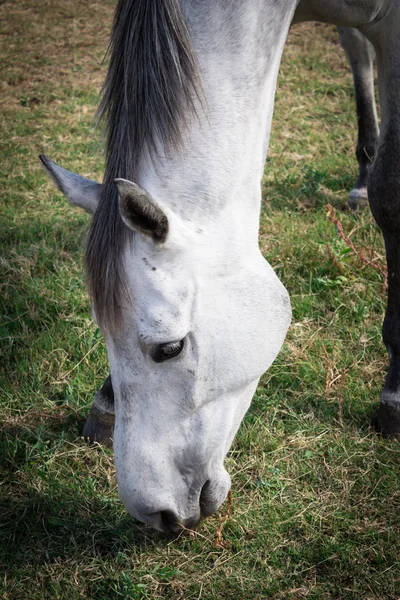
191,312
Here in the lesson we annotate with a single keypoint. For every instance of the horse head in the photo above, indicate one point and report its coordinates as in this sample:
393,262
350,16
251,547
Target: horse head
201,320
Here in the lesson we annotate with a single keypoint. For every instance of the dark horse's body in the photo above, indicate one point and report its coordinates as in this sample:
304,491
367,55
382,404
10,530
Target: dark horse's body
360,54
192,313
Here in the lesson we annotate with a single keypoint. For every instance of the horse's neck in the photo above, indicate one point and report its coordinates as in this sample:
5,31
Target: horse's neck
217,175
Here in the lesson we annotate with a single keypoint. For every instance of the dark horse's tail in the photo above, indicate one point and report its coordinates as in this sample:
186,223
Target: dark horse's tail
148,93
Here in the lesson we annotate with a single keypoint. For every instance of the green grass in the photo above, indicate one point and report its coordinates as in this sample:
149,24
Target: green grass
316,502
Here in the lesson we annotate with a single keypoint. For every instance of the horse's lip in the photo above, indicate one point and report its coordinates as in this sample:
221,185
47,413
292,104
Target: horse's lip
169,523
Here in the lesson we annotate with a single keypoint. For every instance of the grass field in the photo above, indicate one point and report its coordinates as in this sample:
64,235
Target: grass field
316,501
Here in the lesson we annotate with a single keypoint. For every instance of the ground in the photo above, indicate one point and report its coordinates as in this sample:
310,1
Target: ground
315,498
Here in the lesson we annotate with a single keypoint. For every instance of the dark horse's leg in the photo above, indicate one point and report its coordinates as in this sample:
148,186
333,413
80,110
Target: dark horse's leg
360,54
99,426
384,199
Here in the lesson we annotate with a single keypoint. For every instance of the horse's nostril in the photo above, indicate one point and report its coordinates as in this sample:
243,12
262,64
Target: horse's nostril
204,493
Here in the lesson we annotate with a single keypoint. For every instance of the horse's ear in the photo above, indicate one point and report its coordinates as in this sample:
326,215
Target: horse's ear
140,212
80,191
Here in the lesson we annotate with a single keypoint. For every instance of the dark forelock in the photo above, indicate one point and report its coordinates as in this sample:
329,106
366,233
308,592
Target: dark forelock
146,98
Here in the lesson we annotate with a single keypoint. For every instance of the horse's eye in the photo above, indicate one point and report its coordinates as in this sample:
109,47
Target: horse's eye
169,350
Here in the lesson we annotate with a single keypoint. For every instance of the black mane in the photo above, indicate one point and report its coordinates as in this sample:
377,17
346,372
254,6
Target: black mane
146,97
